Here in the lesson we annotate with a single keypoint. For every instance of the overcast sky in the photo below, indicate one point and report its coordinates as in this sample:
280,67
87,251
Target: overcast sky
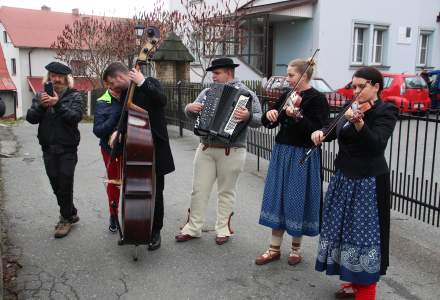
119,8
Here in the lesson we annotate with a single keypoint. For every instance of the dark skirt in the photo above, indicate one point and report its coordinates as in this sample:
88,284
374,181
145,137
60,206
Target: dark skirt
292,194
355,232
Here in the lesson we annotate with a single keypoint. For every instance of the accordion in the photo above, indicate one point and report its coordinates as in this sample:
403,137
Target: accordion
217,115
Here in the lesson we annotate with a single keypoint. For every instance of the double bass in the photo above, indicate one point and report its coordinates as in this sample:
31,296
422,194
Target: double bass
138,180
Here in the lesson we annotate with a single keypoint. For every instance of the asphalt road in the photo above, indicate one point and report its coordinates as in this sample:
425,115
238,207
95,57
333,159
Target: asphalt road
88,264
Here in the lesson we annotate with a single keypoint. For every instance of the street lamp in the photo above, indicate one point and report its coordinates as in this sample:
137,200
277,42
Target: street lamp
139,29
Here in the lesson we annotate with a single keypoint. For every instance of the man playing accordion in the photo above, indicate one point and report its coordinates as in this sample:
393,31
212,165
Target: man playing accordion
217,159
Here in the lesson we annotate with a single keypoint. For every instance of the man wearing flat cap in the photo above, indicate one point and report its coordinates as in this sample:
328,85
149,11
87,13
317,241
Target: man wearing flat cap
218,161
57,116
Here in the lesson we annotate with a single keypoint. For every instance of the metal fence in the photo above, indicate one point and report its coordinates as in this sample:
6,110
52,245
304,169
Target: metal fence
411,151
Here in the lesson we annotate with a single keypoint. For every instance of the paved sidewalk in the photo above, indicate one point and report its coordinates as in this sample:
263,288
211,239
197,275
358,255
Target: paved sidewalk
89,265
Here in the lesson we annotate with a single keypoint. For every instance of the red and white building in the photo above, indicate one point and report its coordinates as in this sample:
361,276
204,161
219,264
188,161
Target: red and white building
25,48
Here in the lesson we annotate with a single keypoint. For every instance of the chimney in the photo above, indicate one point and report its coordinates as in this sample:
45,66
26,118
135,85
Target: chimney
75,11
45,8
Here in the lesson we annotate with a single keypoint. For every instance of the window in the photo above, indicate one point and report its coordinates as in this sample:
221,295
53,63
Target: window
415,83
5,37
387,81
13,66
359,34
423,49
369,44
378,46
251,39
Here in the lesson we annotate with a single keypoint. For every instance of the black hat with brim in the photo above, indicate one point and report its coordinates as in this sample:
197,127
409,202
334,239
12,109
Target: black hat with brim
223,62
58,68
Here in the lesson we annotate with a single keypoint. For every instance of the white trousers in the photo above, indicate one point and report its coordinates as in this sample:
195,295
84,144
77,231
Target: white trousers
210,165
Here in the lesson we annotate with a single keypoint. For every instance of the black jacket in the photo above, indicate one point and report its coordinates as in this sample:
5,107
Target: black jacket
151,97
58,125
362,154
315,111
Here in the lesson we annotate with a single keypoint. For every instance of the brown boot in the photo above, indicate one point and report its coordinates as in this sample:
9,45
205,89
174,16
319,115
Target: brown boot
62,228
272,254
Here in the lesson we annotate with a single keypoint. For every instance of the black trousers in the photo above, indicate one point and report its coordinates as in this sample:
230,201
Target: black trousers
60,168
158,206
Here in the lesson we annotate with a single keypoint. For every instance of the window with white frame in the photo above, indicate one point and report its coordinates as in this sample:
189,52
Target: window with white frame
377,56
423,48
5,37
358,46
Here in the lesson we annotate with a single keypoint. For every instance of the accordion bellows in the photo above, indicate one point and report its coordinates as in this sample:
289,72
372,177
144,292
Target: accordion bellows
217,116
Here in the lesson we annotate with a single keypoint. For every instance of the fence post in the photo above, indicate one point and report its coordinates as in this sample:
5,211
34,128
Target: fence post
258,158
89,103
179,107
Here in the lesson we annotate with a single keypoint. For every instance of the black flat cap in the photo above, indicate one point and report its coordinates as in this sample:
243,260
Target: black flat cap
58,68
223,62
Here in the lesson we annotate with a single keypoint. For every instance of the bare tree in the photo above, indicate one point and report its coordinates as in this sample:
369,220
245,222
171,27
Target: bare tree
209,31
88,46
91,43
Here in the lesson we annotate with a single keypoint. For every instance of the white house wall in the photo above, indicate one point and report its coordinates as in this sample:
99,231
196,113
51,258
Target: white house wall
9,52
292,39
39,58
336,19
242,72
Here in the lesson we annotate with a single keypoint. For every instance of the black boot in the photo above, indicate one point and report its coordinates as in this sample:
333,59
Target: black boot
155,241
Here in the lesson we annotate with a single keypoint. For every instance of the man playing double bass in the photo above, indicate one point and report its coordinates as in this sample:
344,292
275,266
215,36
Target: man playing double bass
148,95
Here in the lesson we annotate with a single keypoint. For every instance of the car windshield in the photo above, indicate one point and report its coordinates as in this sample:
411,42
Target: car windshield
277,83
321,85
387,81
415,82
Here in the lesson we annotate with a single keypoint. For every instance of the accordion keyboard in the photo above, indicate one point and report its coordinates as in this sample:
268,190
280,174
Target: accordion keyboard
232,122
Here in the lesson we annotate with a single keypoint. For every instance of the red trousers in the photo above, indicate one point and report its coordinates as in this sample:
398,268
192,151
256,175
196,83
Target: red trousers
113,174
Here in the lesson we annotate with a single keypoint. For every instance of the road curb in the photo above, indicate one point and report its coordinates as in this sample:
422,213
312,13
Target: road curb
8,147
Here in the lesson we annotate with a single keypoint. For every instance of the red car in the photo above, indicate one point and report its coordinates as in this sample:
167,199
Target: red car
409,92
276,85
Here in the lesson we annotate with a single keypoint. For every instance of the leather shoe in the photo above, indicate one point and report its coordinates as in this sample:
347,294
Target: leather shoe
155,242
184,237
220,240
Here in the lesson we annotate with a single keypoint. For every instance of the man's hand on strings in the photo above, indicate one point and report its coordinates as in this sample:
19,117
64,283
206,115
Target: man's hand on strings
136,76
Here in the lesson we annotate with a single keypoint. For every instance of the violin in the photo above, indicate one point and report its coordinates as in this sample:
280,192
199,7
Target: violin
359,108
290,97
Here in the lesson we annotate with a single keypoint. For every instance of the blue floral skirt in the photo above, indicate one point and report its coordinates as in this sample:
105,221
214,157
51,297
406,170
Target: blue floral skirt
291,199
349,245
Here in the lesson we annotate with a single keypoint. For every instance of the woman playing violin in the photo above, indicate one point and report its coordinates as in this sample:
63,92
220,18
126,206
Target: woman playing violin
356,216
292,194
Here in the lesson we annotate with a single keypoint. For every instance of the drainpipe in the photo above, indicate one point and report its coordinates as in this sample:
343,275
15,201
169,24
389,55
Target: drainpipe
29,61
